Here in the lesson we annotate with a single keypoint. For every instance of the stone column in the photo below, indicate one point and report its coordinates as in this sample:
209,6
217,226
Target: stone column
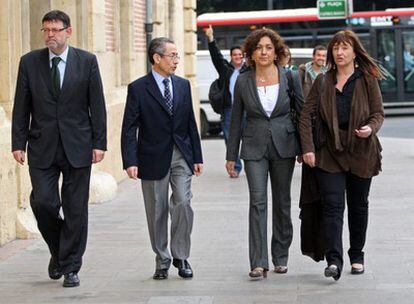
190,49
14,39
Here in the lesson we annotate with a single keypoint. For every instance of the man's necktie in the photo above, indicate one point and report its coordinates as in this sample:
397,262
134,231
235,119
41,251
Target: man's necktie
56,75
167,95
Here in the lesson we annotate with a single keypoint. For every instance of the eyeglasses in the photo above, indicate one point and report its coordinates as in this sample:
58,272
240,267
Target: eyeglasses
53,30
172,56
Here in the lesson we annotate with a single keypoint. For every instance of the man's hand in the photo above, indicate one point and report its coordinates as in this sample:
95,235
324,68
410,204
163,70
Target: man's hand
309,159
363,132
132,172
210,33
19,156
198,169
97,156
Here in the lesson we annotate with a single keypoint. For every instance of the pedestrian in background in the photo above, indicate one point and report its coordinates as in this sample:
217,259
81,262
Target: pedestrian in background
350,108
287,61
310,70
59,112
269,146
228,72
166,152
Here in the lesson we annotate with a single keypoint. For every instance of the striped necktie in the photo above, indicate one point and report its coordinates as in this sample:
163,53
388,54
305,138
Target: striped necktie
167,95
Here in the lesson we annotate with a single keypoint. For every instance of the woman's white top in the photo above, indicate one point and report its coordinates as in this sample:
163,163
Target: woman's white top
268,97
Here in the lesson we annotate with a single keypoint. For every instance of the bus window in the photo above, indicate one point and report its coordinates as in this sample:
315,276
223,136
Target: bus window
408,58
221,42
239,41
386,58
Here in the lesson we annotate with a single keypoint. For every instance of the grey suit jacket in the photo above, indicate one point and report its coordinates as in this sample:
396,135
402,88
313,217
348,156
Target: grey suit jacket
259,126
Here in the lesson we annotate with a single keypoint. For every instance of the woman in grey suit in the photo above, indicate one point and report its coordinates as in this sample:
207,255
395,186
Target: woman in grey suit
269,147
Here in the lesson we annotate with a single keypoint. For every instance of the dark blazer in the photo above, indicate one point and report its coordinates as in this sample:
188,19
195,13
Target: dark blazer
77,116
259,125
158,131
345,151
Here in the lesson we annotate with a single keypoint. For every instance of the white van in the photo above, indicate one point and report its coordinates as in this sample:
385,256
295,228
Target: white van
206,74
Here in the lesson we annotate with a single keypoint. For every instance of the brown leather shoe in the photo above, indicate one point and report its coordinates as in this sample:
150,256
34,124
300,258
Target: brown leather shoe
281,269
258,273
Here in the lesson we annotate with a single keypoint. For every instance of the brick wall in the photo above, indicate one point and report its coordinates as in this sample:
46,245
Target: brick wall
110,40
139,27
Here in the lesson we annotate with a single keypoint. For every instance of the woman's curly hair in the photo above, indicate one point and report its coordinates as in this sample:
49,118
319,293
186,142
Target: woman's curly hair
253,39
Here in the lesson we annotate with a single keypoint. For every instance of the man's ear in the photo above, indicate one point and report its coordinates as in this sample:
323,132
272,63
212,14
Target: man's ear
69,31
157,58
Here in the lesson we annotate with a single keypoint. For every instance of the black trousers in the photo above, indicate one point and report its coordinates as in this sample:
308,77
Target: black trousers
333,187
66,238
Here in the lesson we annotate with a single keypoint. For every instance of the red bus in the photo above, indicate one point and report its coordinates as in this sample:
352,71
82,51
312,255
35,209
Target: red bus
388,36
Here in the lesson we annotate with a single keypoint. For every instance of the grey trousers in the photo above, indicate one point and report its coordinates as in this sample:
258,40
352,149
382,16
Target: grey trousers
257,172
157,206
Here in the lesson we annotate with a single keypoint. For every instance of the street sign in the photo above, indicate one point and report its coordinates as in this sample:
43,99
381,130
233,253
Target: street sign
332,9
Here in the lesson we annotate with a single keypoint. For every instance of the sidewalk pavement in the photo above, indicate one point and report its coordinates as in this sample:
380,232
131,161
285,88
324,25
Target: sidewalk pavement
119,263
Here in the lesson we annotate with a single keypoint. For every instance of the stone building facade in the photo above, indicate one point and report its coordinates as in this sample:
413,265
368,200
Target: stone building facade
114,31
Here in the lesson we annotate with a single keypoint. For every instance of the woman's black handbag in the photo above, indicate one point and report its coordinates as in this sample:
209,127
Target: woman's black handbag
294,106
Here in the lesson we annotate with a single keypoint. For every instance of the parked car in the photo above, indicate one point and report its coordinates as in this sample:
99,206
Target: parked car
206,74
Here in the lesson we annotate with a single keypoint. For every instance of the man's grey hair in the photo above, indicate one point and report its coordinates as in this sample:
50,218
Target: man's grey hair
157,46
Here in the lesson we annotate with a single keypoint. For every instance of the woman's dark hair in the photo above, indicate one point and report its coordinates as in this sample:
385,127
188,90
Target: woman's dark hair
365,62
253,39
57,15
288,55
235,47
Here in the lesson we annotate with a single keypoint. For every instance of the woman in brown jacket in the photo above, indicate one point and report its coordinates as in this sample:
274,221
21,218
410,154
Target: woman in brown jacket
351,111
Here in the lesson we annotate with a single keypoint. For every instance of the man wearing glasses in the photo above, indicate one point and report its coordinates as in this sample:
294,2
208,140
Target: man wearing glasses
166,152
59,113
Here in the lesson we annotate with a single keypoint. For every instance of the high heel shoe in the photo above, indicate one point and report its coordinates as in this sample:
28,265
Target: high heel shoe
258,273
357,270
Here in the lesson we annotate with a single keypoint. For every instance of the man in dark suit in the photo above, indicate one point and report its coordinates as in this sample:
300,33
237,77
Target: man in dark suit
59,112
166,152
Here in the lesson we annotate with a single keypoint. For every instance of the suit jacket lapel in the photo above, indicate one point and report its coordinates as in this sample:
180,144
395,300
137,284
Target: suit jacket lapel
176,93
69,77
282,96
44,68
154,91
253,92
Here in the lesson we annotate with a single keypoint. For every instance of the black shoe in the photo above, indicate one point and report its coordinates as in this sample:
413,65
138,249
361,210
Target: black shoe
71,280
184,268
160,274
54,270
355,270
332,271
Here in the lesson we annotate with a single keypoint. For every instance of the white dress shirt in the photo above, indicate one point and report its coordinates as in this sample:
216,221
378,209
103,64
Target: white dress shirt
268,97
